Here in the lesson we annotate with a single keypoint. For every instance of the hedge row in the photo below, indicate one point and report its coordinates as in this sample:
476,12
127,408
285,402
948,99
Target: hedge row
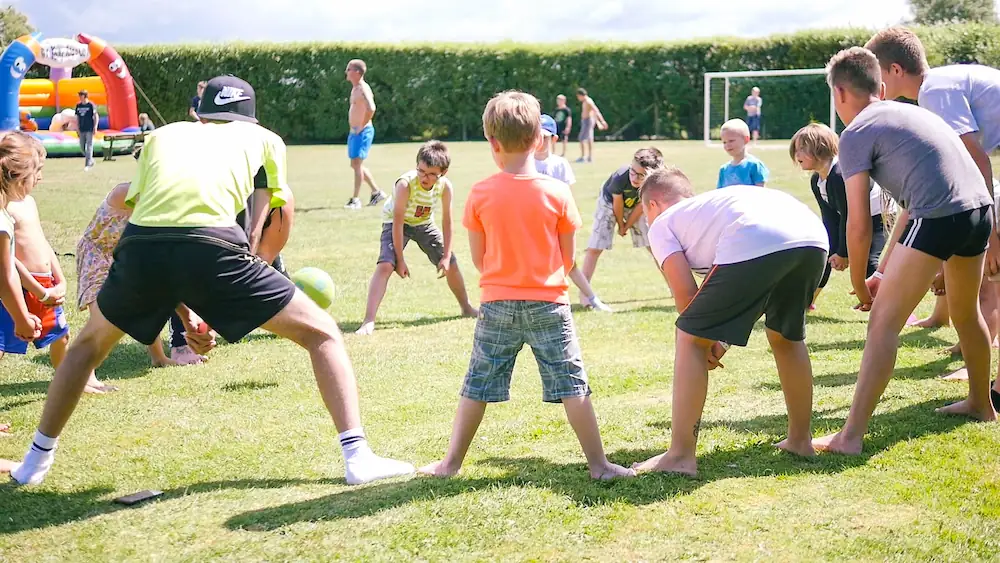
440,90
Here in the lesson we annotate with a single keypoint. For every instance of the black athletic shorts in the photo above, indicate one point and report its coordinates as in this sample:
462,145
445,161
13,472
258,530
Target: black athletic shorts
879,236
779,286
210,270
962,234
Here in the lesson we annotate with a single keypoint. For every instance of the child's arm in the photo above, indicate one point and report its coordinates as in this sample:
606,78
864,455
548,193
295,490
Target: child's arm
58,291
618,204
761,172
600,116
27,281
859,235
446,194
837,191
634,218
401,199
116,198
26,326
722,177
477,247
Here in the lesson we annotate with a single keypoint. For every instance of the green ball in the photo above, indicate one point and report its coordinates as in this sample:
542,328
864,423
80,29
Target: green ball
317,284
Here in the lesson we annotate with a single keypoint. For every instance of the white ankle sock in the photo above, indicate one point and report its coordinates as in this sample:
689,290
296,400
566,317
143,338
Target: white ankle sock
361,463
37,461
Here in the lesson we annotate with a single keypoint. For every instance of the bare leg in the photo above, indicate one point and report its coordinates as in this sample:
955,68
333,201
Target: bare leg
962,276
565,145
157,357
467,419
590,150
358,167
376,292
938,317
456,283
580,414
57,351
302,322
909,275
582,283
795,373
369,179
690,391
89,349
590,258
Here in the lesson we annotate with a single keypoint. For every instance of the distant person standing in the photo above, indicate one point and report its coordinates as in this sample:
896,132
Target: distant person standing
196,101
87,119
563,117
362,134
590,115
753,106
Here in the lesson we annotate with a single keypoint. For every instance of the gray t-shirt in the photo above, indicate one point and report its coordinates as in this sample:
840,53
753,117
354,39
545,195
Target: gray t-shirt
967,97
914,156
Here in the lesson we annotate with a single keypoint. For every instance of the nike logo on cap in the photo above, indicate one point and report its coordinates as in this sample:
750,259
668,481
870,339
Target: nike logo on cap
230,94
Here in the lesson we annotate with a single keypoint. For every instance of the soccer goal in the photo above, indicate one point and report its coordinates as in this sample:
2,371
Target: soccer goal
792,98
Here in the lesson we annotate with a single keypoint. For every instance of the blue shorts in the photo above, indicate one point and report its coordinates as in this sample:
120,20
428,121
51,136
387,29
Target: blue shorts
53,330
358,144
753,122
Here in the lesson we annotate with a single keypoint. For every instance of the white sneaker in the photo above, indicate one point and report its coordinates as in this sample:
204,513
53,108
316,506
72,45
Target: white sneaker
353,203
87,168
599,305
377,198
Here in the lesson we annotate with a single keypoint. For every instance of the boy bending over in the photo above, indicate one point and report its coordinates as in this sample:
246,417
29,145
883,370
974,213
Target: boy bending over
946,216
763,254
521,233
409,214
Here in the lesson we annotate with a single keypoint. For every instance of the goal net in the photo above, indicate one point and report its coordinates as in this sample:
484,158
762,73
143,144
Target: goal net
791,99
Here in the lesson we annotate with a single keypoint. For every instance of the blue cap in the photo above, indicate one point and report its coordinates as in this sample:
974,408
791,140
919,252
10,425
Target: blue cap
548,126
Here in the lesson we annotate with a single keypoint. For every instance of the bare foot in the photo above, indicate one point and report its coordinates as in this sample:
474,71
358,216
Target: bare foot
5,431
6,465
185,356
366,329
438,469
955,350
959,375
165,362
929,322
804,449
664,463
965,408
470,312
97,387
837,444
609,471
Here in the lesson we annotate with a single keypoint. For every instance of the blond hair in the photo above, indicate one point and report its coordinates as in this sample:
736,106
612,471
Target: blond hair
816,140
19,162
514,119
737,126
898,45
856,69
665,185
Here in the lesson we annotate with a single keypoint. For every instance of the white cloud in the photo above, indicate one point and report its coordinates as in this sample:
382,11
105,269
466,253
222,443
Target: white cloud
169,21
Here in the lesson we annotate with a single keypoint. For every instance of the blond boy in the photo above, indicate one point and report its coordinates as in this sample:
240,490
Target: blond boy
521,234
744,169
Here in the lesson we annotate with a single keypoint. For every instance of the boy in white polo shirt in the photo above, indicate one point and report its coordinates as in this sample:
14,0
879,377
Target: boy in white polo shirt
762,253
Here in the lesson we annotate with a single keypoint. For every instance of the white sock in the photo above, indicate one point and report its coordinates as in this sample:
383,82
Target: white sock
37,461
361,463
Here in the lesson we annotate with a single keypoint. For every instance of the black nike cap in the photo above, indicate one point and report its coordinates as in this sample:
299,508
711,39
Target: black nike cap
228,98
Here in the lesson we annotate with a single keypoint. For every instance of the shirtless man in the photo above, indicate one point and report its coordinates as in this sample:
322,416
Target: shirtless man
359,141
590,115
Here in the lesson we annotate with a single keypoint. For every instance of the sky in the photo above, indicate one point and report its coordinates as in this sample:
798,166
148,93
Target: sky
174,21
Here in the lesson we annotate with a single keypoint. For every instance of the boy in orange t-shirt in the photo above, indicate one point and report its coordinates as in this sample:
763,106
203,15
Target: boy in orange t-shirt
521,233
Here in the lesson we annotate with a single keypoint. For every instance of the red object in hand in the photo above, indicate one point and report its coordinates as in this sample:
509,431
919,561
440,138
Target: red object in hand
202,328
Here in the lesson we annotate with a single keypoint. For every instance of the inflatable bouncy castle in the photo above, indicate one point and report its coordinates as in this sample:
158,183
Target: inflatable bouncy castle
45,108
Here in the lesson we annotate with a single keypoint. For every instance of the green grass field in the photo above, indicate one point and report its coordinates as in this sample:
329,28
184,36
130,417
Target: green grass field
251,468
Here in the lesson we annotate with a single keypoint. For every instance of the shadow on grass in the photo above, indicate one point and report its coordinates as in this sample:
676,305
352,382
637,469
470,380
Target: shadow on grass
248,386
128,360
572,480
929,370
350,327
27,509
653,309
922,338
814,318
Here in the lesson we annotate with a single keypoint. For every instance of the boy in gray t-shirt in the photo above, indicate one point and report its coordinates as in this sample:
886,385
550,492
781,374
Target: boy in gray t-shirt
945,217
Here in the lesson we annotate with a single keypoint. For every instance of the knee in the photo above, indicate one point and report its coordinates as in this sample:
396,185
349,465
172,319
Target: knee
319,332
356,164
384,269
685,339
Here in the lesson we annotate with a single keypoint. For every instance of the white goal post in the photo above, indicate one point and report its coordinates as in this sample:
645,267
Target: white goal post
725,76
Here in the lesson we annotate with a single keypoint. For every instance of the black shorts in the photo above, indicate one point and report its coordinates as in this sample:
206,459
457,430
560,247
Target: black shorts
962,234
733,297
879,236
209,270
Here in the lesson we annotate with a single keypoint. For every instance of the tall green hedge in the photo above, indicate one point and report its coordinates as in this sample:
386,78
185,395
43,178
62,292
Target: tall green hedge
439,90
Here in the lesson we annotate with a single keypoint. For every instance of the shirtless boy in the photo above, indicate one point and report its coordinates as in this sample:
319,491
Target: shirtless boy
590,115
362,134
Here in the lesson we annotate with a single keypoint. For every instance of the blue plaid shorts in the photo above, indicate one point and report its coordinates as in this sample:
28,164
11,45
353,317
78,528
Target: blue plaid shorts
503,328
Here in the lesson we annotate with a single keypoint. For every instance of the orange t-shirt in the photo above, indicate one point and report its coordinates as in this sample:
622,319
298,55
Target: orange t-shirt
522,218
